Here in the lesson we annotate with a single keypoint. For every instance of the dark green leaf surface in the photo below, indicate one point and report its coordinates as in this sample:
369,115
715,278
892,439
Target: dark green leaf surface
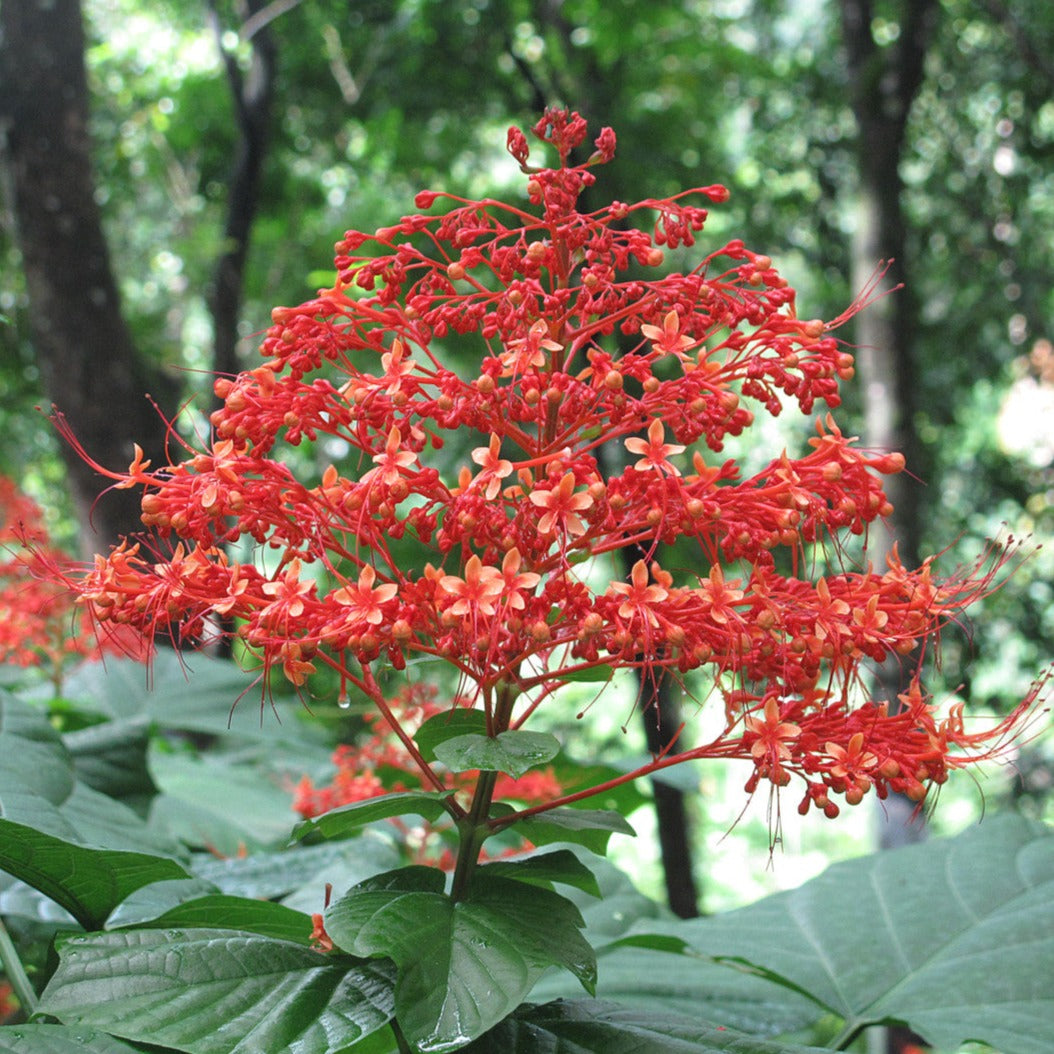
463,966
59,1039
589,675
210,803
152,901
512,752
217,992
192,693
595,1027
589,827
88,883
339,823
441,727
239,913
561,867
664,981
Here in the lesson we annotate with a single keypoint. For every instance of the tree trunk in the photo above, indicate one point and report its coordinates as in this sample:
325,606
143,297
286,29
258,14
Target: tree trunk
662,722
883,84
90,366
253,94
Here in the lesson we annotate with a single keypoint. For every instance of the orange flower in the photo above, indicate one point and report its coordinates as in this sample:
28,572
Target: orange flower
655,452
562,507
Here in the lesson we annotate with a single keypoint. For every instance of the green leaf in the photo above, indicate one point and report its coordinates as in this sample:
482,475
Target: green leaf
88,883
589,827
653,975
953,937
219,911
447,725
624,798
208,802
301,871
152,901
591,1025
195,693
512,752
217,992
339,823
36,771
103,822
59,1039
463,965
589,675
19,900
111,758
561,866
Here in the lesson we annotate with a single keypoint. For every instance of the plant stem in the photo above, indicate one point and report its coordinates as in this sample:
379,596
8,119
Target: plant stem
473,830
400,1039
849,1032
16,972
473,833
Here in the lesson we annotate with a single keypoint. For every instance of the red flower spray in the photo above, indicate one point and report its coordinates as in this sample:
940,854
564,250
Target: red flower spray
579,339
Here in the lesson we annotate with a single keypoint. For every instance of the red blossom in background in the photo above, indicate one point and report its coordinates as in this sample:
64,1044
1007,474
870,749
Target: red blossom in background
37,623
581,339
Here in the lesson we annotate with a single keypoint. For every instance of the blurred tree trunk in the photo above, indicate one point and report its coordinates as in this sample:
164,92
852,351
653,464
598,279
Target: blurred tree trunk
883,84
90,366
661,714
253,94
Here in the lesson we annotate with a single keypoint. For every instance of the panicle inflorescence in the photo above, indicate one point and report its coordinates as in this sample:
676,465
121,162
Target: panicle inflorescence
599,388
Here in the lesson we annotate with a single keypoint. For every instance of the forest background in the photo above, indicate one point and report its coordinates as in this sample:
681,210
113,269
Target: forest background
231,145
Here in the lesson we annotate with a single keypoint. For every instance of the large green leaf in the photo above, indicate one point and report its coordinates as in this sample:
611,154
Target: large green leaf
210,803
36,771
151,902
464,965
111,758
217,992
192,693
954,937
512,752
102,821
590,1026
217,910
299,875
59,1039
663,982
88,883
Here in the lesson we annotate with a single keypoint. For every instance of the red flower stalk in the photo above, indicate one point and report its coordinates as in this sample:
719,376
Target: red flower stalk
570,336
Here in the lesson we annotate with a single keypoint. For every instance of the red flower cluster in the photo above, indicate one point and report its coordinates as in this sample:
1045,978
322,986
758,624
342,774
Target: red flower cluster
36,609
577,342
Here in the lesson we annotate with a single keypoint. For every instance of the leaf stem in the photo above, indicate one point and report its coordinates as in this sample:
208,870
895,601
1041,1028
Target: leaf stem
16,972
849,1032
400,1039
